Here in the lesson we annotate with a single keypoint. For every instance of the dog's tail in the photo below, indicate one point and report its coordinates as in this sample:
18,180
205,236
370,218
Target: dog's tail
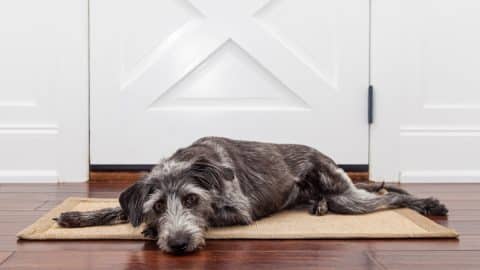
105,216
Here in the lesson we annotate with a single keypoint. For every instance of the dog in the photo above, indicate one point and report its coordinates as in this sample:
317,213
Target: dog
221,182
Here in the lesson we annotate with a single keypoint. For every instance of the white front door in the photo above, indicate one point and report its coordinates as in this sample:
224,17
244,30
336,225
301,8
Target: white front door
164,73
425,65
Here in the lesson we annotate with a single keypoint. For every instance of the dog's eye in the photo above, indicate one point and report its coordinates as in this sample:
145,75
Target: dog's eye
159,206
190,200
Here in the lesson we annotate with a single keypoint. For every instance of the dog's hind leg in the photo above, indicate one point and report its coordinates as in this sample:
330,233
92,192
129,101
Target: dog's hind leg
380,187
357,201
345,198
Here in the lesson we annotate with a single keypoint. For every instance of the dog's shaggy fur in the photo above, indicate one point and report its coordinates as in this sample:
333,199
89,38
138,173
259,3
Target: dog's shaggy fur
220,182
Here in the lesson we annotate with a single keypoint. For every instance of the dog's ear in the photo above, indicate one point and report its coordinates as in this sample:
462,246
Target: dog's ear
210,174
132,200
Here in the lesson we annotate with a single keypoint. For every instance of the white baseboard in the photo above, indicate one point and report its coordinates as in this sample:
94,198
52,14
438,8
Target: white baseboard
35,176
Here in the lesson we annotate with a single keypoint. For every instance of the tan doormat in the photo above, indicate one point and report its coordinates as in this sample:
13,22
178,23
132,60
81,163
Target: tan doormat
401,223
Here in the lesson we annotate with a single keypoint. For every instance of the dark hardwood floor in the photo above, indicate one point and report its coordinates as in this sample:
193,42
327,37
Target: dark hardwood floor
21,204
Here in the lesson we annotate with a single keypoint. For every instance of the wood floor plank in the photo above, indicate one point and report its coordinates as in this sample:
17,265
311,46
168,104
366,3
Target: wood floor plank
226,259
464,243
464,214
462,227
8,242
457,188
20,205
132,176
115,176
465,196
402,259
461,205
49,205
20,216
12,228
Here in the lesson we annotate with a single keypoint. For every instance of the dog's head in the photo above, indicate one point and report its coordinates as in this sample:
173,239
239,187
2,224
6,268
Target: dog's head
176,198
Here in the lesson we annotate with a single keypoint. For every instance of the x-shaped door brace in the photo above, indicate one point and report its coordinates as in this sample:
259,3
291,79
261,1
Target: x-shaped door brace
213,26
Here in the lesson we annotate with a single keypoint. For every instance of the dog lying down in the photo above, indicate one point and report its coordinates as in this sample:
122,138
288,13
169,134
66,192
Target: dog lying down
221,182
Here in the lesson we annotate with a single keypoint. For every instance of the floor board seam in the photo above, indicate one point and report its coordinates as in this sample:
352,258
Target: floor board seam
7,258
41,205
372,257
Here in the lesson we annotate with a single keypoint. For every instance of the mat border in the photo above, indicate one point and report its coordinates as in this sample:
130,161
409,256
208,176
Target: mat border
434,230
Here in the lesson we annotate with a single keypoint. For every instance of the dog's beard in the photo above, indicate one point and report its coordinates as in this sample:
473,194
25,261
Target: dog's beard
196,236
181,222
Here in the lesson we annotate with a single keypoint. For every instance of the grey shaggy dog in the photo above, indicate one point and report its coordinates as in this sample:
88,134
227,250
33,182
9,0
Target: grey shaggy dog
221,182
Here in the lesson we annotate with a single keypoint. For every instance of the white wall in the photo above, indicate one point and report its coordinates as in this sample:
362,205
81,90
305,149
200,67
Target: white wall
43,90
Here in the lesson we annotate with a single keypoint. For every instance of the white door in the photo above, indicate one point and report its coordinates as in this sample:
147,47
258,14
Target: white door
164,73
425,71
43,91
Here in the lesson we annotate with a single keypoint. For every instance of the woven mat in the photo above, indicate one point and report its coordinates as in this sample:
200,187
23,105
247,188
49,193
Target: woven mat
295,224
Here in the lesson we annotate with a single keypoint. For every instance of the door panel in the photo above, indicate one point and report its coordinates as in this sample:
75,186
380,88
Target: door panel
425,64
44,91
164,73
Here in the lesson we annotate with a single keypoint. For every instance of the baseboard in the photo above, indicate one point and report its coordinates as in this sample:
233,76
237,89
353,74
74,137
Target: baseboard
28,176
37,176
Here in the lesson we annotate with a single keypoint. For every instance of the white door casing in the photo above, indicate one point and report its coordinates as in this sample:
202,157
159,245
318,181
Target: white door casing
44,91
425,63
164,73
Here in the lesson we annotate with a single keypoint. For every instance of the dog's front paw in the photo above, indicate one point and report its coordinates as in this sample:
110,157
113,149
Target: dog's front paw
150,232
69,219
319,208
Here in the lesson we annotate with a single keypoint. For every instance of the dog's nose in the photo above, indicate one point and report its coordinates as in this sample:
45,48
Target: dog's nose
178,243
